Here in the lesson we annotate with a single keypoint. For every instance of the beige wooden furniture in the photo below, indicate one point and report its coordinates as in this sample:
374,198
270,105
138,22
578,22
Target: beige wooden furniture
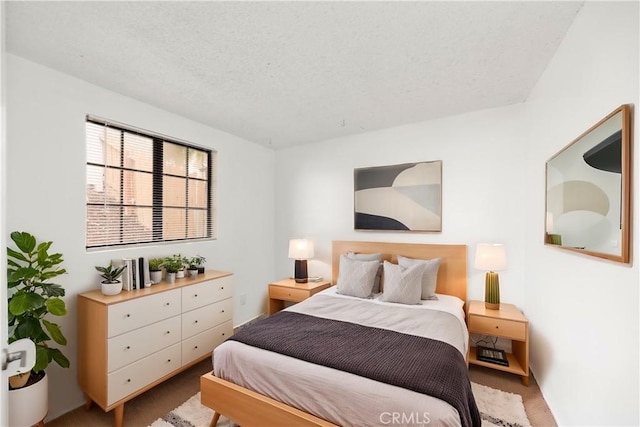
508,322
289,290
249,408
130,342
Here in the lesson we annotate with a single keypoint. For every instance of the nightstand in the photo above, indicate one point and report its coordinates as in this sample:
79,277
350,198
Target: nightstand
508,322
289,290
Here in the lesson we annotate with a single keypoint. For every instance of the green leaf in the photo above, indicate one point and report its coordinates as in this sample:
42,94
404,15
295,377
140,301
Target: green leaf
56,306
24,241
23,273
52,290
59,358
30,327
42,358
17,255
55,332
22,302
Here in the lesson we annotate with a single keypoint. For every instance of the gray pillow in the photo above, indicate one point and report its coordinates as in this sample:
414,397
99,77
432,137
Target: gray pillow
370,257
402,285
356,277
430,275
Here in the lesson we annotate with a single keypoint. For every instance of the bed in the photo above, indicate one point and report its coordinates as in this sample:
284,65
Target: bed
255,385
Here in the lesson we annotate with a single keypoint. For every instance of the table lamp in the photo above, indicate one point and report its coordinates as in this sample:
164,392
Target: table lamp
301,250
490,258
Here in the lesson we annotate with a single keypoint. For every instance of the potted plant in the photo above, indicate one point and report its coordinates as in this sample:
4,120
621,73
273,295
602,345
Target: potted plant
173,264
199,260
32,297
193,264
111,285
155,269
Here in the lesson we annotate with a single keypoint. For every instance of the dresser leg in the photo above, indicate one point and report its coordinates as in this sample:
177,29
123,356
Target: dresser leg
525,380
214,420
119,415
40,424
88,403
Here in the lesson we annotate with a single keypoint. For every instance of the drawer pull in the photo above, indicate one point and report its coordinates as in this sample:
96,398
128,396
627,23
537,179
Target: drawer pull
221,287
196,347
168,332
223,311
128,347
223,334
128,315
168,304
168,360
196,295
128,380
195,321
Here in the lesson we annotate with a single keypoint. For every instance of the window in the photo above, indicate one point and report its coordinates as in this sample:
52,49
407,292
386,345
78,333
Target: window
145,188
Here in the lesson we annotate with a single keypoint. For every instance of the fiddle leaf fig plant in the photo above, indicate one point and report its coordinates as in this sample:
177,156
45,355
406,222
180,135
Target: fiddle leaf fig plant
32,296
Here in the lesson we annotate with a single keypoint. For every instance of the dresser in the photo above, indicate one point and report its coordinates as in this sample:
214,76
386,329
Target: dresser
130,342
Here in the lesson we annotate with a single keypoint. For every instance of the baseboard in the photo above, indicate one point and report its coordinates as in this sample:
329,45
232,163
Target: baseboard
250,321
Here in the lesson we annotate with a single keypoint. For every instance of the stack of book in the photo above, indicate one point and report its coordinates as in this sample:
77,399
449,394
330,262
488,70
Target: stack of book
136,273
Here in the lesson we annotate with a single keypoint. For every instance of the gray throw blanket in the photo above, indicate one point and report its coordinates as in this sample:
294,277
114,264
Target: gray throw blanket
416,363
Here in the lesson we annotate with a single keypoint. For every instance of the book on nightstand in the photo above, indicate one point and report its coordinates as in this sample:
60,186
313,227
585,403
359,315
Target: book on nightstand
492,355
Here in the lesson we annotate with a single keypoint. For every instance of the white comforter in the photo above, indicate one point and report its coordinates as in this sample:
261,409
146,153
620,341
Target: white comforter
340,397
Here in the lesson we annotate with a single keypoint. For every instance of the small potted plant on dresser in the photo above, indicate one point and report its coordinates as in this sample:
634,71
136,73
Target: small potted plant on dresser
173,264
193,264
199,260
111,283
155,270
30,269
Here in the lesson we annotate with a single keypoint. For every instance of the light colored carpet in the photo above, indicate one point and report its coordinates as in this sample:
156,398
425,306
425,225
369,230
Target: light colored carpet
497,408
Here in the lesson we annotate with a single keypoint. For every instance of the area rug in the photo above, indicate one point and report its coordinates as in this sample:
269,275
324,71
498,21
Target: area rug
497,408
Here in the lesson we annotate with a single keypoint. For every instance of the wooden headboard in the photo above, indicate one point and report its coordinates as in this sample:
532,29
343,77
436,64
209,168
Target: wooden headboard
452,274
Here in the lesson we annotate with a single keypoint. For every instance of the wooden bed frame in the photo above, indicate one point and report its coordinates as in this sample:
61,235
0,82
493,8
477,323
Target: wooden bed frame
248,408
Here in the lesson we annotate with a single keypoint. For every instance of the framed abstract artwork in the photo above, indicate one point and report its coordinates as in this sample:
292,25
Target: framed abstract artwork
404,197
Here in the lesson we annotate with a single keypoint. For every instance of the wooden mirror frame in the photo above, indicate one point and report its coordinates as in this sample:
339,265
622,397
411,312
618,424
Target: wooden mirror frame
583,188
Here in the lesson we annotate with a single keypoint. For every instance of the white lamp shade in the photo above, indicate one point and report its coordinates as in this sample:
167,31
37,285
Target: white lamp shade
300,249
490,257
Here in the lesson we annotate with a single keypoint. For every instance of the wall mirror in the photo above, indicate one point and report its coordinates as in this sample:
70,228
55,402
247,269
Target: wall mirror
588,191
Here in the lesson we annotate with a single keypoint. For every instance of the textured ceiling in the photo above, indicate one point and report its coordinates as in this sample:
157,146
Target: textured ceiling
285,73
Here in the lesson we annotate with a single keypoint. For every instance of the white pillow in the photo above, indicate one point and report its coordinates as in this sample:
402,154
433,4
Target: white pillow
356,277
370,257
402,285
430,275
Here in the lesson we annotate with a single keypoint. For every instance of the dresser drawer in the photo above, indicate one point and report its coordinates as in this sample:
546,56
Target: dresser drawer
204,343
288,294
133,377
139,312
497,327
131,346
203,318
206,293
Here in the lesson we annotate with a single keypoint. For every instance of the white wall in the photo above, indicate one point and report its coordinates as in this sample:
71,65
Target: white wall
583,310
482,155
46,193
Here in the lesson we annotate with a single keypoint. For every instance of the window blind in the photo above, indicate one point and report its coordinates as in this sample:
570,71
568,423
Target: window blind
144,188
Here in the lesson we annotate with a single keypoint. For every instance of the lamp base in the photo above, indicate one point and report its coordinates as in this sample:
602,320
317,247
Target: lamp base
491,306
301,275
492,291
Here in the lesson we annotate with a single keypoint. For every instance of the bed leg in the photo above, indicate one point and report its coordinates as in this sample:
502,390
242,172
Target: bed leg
214,420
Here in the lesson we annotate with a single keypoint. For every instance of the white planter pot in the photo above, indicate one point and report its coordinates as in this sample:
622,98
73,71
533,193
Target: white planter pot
111,288
29,405
180,274
193,273
155,276
171,277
